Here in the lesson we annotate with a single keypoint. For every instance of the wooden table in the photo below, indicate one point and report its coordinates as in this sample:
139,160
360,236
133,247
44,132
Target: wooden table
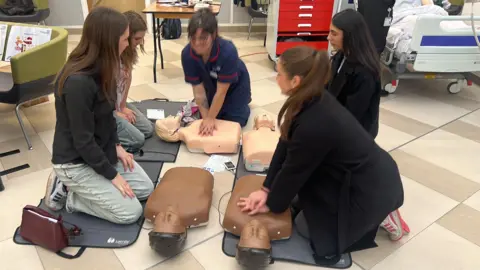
161,11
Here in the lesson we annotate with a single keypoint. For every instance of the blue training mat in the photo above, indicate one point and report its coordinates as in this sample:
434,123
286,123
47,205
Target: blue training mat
99,233
296,249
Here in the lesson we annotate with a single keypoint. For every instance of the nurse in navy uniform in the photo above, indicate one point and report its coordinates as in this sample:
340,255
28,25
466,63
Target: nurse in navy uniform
219,78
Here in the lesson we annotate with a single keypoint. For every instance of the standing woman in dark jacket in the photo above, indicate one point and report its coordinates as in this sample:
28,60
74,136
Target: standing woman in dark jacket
93,174
356,84
345,183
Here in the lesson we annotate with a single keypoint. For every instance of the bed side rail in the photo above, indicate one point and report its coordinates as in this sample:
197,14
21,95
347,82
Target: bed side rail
445,35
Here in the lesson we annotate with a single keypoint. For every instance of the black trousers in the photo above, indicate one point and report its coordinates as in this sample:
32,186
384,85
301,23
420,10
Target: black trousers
374,12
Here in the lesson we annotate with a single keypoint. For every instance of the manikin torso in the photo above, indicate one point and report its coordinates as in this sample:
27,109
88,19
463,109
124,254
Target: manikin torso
259,144
225,139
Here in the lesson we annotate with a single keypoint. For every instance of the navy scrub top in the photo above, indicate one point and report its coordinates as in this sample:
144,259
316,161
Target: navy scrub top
224,66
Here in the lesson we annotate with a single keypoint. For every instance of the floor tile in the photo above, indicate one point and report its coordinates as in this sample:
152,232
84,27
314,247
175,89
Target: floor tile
464,129
422,207
403,123
38,158
174,90
170,71
143,75
389,138
275,107
265,92
141,256
19,192
222,189
10,127
464,221
47,139
423,109
16,257
438,91
432,176
259,72
210,255
186,159
449,151
435,248
472,118
182,261
142,92
253,54
92,259
41,117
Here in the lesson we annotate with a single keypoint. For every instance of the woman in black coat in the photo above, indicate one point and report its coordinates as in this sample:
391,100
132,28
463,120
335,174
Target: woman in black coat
356,83
345,183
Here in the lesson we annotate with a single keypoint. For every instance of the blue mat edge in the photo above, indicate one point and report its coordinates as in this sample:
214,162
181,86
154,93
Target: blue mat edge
273,260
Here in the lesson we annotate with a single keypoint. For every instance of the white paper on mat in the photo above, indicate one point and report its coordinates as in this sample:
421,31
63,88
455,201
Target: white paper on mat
155,114
216,163
24,38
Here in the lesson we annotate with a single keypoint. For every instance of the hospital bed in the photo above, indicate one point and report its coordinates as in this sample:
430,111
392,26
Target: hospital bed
440,47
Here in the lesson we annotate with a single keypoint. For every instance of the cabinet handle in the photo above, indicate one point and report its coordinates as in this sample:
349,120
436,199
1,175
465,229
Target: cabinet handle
304,25
304,34
305,15
306,7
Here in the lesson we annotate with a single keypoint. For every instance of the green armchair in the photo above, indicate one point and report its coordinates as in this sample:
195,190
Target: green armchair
33,71
42,11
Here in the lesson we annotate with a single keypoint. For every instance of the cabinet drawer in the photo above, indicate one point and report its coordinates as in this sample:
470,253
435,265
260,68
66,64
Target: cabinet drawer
304,25
283,46
307,6
305,15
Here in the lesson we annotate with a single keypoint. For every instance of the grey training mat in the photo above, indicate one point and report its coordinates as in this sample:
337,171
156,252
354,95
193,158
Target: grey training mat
296,249
154,149
99,233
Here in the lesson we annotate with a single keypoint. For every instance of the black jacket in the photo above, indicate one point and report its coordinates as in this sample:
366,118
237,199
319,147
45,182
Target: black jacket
86,130
358,90
346,184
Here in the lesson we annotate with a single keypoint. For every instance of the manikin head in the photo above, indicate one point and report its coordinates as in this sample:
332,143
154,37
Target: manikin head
167,128
138,28
169,232
104,38
349,33
264,121
302,75
202,31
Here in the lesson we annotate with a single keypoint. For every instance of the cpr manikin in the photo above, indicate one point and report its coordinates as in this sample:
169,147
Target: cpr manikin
180,201
256,232
259,144
225,138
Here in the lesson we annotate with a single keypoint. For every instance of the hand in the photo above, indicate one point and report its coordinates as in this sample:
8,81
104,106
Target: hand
255,203
123,186
125,157
122,115
207,127
131,115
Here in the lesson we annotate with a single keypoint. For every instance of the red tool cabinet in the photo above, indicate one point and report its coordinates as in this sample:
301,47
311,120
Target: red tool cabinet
292,23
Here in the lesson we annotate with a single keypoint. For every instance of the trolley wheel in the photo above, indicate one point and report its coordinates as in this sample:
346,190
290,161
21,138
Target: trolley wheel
454,87
389,88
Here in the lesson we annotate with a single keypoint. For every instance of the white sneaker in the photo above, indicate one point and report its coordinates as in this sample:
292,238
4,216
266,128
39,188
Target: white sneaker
392,224
56,193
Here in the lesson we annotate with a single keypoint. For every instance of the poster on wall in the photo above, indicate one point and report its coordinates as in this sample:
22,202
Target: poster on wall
3,39
24,38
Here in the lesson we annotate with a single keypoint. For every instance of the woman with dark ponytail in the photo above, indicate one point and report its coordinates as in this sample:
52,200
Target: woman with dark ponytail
345,184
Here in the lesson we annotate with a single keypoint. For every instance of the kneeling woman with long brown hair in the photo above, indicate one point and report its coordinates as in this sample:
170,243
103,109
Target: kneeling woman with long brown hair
92,172
345,183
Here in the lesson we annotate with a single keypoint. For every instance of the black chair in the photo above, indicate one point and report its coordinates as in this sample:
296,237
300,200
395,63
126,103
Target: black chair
42,11
254,12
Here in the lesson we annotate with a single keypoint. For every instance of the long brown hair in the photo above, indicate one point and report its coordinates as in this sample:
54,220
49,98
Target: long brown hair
137,23
313,68
97,50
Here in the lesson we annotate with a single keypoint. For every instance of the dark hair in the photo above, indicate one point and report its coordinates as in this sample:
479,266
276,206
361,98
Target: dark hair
137,23
97,49
358,44
203,19
313,67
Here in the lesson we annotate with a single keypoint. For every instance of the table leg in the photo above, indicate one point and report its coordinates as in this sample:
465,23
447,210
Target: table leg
159,36
154,26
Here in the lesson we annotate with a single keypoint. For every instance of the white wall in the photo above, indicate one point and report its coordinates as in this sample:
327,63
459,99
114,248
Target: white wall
66,13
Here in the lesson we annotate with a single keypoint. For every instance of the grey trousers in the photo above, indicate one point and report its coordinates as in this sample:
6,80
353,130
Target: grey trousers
93,194
132,136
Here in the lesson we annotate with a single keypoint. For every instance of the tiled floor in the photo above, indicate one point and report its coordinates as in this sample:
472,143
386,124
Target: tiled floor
434,136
